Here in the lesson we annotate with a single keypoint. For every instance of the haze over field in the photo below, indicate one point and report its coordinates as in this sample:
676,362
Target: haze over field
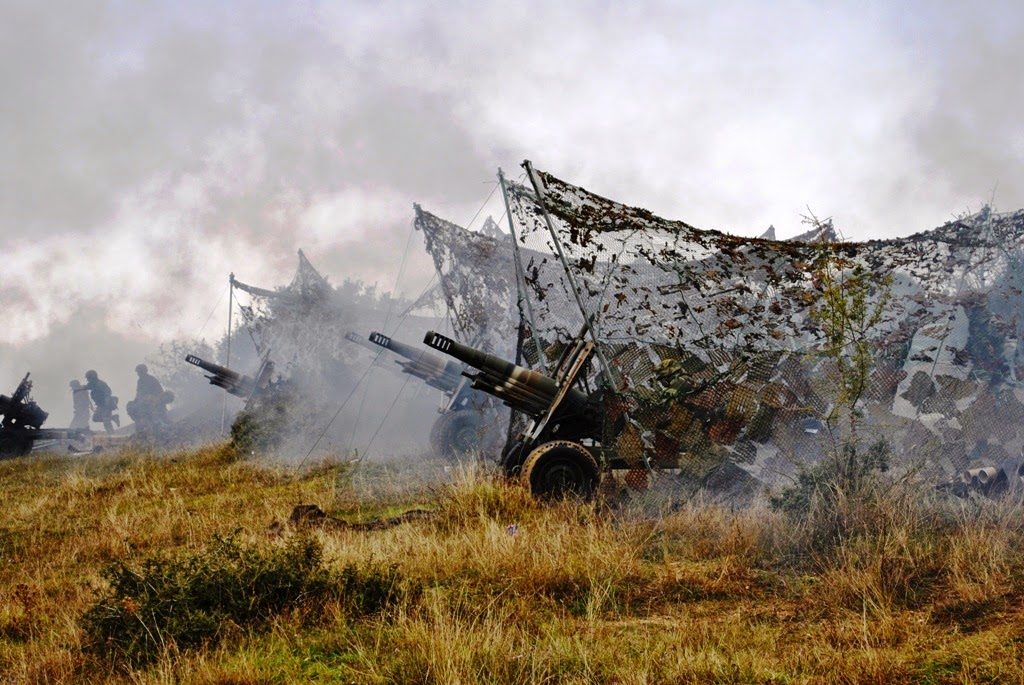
148,151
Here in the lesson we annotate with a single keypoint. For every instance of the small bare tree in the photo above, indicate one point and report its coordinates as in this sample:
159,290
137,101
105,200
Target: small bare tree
849,306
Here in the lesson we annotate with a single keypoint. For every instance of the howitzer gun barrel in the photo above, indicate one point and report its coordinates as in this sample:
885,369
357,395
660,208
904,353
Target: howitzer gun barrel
352,336
223,377
528,391
435,370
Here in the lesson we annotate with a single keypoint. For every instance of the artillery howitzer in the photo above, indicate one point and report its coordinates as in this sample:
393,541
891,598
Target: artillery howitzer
235,383
559,451
272,405
463,425
22,423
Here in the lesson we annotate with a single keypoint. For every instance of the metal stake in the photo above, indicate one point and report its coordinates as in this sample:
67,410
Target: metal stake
523,294
538,187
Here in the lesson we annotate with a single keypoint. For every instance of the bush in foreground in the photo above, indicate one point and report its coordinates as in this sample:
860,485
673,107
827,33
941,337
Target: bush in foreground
163,603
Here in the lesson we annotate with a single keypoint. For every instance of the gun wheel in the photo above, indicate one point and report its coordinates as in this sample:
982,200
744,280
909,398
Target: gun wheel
12,444
435,435
457,434
561,469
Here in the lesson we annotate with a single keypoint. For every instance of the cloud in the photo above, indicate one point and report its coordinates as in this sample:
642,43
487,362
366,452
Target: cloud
148,150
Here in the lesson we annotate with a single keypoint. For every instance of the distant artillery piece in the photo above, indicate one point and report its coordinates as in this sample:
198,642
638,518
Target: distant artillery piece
465,423
235,383
22,423
274,408
446,376
431,369
354,337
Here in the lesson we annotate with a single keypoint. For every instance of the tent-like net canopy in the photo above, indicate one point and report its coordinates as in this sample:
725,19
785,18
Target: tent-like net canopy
302,327
477,275
716,347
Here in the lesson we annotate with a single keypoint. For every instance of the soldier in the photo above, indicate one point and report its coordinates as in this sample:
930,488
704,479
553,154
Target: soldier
80,399
104,400
149,408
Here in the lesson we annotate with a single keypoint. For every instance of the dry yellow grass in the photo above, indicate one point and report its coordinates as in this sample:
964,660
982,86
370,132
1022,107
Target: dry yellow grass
930,592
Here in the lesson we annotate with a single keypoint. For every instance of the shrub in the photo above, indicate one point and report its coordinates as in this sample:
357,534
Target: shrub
163,602
261,429
842,495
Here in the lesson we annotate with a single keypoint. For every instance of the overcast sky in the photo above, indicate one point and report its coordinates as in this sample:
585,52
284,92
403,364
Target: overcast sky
147,149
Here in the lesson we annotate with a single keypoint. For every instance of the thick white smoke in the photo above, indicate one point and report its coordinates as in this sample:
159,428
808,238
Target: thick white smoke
148,150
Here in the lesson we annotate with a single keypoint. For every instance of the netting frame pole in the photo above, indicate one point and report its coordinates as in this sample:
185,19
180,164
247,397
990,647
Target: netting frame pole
538,188
523,294
227,354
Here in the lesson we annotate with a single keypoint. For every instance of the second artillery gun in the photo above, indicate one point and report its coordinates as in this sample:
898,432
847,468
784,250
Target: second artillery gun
559,451
465,423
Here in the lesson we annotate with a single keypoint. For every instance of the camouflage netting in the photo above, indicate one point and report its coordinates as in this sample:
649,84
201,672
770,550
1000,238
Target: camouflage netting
477,276
302,326
717,349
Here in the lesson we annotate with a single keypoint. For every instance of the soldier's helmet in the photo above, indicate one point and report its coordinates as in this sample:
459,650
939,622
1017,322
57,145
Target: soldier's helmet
91,375
141,369
75,385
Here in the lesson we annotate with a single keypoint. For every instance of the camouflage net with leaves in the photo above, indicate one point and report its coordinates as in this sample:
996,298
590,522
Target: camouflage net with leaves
478,278
477,274
720,347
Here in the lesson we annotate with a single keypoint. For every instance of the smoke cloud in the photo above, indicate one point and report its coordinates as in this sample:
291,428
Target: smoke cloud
150,149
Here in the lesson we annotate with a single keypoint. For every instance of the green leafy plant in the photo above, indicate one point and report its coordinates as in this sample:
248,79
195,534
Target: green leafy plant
265,422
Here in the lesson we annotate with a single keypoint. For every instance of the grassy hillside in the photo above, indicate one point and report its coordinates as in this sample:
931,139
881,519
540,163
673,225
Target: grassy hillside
144,568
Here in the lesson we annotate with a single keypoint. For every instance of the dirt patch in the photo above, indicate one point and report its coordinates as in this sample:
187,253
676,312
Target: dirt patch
312,516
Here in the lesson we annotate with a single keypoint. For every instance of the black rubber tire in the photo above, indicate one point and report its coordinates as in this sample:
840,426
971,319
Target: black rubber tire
560,469
435,434
13,444
459,435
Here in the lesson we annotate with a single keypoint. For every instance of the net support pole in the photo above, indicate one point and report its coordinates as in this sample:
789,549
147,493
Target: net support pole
227,354
538,188
523,295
